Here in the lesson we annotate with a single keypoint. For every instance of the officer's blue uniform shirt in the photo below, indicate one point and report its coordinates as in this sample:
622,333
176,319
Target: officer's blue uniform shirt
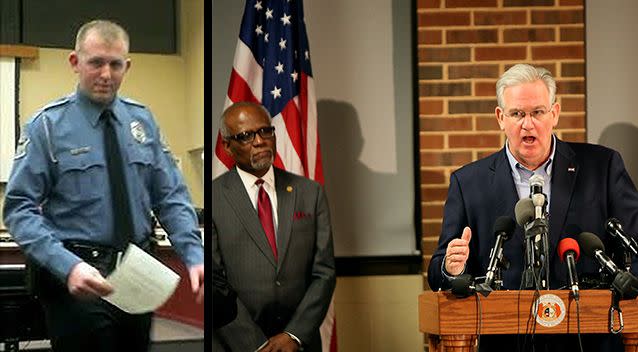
59,190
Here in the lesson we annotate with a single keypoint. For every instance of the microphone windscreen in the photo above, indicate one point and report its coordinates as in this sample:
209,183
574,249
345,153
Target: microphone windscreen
504,225
537,180
589,243
568,244
461,286
524,211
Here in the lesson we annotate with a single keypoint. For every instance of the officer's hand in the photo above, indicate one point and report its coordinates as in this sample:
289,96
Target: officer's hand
196,274
458,250
85,281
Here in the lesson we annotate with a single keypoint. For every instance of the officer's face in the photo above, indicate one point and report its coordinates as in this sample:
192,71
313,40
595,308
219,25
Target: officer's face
100,67
254,157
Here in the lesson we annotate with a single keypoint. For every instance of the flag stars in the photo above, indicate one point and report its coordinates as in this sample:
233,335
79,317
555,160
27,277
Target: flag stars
306,54
268,14
279,68
266,37
276,93
282,44
294,75
258,30
258,5
286,19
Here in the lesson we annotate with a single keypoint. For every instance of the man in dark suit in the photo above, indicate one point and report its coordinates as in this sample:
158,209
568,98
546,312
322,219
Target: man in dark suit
284,280
585,185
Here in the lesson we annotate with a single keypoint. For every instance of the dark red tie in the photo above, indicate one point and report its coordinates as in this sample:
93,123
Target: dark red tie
264,211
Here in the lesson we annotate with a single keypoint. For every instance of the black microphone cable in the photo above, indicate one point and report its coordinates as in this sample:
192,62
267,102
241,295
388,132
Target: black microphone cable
580,341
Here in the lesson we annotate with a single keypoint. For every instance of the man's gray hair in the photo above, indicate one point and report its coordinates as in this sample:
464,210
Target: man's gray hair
223,128
108,31
524,73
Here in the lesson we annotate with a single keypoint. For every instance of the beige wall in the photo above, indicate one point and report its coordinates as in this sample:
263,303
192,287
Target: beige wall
170,85
192,36
378,313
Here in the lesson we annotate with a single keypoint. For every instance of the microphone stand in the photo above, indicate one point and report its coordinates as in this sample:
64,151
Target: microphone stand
528,274
503,263
484,288
536,259
546,261
627,259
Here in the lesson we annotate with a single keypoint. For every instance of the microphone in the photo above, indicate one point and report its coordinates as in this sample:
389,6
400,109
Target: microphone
624,282
463,286
593,247
615,230
536,183
569,251
524,211
503,229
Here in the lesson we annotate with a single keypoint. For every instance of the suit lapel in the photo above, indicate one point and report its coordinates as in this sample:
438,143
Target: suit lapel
235,194
286,194
503,186
564,173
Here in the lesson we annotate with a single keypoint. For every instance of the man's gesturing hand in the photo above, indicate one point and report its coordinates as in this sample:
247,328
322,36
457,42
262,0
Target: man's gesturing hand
458,250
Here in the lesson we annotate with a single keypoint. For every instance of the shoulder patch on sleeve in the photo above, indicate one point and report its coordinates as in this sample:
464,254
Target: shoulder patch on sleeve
21,149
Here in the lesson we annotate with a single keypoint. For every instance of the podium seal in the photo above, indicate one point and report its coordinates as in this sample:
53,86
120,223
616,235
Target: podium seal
550,310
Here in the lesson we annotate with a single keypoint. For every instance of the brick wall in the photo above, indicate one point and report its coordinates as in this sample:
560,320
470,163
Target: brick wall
463,46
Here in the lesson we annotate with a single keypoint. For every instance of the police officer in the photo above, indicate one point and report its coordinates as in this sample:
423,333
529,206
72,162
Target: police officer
58,199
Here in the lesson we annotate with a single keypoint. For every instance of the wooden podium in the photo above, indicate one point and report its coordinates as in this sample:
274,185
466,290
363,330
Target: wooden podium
452,324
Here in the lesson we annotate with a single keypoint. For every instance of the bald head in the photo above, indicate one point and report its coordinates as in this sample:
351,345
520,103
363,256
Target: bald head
242,107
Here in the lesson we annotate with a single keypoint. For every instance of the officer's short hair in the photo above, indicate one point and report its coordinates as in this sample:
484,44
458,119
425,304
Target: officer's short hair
109,31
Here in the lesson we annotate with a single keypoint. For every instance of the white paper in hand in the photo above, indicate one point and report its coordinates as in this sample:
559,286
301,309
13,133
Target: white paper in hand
141,283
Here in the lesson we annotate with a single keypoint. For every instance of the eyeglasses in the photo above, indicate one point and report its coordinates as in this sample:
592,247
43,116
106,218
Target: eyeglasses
519,115
249,136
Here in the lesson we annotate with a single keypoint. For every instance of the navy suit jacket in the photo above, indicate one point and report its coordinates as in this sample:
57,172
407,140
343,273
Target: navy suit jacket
589,185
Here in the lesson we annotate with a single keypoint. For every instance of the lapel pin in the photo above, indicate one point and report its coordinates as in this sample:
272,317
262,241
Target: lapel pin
571,169
289,189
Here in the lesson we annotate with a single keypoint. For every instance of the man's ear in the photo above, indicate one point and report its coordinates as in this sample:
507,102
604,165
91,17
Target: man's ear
74,60
499,117
555,114
226,144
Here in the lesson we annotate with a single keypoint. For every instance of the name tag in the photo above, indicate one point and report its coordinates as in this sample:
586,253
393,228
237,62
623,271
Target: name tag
80,150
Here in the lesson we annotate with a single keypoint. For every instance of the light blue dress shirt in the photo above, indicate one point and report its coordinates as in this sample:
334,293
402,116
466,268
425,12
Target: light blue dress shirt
59,190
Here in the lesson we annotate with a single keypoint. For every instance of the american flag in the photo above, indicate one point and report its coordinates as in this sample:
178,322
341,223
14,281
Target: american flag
272,67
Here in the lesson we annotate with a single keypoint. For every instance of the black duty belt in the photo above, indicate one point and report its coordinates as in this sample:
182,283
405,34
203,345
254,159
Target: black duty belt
102,257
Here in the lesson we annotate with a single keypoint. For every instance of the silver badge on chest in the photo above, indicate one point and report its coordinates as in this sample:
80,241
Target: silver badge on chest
137,130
